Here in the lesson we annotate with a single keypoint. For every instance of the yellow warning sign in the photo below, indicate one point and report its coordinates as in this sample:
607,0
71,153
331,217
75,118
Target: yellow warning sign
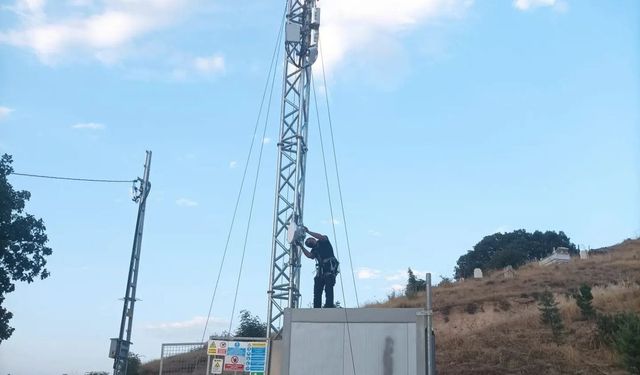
212,348
216,367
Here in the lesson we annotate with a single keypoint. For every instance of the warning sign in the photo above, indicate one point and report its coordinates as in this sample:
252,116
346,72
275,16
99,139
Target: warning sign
217,347
216,367
234,363
248,357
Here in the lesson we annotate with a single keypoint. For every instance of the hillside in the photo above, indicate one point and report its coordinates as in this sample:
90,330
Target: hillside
491,325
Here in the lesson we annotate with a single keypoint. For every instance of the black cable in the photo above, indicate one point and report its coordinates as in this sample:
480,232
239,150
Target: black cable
335,160
244,174
333,225
71,178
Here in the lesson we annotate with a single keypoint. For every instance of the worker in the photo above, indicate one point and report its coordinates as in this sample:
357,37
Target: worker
327,267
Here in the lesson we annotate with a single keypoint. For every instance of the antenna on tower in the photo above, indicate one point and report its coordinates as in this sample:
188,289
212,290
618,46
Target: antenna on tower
301,51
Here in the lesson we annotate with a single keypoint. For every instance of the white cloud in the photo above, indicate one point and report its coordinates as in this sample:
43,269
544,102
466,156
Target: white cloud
399,275
186,202
103,34
266,140
88,126
5,112
210,64
329,221
525,5
196,321
374,233
233,164
351,27
365,273
396,287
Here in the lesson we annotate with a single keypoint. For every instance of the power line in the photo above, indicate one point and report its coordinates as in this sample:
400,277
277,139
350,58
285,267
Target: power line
335,160
71,178
333,225
276,49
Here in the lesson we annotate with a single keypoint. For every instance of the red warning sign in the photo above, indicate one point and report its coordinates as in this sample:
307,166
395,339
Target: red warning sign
234,364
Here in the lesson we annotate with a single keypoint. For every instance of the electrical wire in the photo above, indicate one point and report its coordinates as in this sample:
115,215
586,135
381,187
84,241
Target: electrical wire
253,195
244,174
333,225
335,160
71,178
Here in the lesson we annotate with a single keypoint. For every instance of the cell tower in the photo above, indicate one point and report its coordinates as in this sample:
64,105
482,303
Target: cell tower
301,51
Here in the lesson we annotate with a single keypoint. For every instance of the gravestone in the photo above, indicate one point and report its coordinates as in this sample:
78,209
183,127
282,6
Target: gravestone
477,273
584,254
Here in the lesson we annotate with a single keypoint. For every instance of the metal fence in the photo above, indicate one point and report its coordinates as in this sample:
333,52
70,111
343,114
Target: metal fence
188,358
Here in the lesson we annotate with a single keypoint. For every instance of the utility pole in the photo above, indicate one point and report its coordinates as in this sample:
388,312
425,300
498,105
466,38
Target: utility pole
301,51
120,347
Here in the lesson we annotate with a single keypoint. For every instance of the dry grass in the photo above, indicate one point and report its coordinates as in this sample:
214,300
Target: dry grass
491,326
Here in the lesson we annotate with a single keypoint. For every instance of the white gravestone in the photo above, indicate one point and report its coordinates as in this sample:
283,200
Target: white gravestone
477,273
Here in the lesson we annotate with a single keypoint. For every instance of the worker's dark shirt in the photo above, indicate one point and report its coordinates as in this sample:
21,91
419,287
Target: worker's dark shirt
323,250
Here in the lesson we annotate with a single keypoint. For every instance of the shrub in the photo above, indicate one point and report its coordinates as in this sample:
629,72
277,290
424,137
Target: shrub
550,315
622,332
583,300
471,308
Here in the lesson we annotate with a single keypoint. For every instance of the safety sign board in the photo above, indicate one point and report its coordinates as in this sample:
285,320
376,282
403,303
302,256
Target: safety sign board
216,367
256,357
234,363
217,347
248,357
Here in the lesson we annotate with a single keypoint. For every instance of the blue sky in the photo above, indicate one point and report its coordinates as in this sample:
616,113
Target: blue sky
454,119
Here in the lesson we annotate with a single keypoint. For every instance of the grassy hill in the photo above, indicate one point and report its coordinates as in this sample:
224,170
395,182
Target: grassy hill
492,325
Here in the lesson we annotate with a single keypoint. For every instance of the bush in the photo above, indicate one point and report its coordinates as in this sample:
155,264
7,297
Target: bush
583,300
622,332
414,285
550,315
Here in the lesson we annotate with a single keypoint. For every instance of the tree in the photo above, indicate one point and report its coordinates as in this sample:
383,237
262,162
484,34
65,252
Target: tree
583,300
250,326
414,284
514,248
22,243
550,314
622,332
133,365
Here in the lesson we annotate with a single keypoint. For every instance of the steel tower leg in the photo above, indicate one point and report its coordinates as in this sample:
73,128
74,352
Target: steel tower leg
301,41
120,346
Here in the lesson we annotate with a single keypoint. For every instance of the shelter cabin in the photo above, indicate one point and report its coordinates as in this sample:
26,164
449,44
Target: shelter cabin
559,255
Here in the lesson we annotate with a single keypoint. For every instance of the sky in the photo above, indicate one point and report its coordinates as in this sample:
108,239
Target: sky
453,120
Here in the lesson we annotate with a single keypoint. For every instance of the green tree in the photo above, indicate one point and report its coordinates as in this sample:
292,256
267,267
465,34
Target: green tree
133,365
414,284
22,243
583,300
250,326
550,314
622,332
514,248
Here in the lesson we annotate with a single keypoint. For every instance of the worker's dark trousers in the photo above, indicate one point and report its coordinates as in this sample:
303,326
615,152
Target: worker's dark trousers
325,283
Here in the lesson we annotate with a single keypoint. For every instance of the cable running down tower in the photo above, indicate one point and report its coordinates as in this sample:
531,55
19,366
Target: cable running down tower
301,51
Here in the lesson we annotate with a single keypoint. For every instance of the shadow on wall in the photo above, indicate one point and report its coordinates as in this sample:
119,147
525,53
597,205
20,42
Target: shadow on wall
387,357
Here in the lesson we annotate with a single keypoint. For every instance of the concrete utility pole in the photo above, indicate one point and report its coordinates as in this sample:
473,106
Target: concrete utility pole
301,51
120,347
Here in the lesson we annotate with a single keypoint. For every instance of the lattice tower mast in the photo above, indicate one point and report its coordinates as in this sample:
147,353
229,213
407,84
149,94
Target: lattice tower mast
301,51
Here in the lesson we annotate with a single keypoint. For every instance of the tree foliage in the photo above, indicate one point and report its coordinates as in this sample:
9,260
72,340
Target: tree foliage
622,332
550,314
511,249
250,326
22,243
133,365
414,284
583,299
